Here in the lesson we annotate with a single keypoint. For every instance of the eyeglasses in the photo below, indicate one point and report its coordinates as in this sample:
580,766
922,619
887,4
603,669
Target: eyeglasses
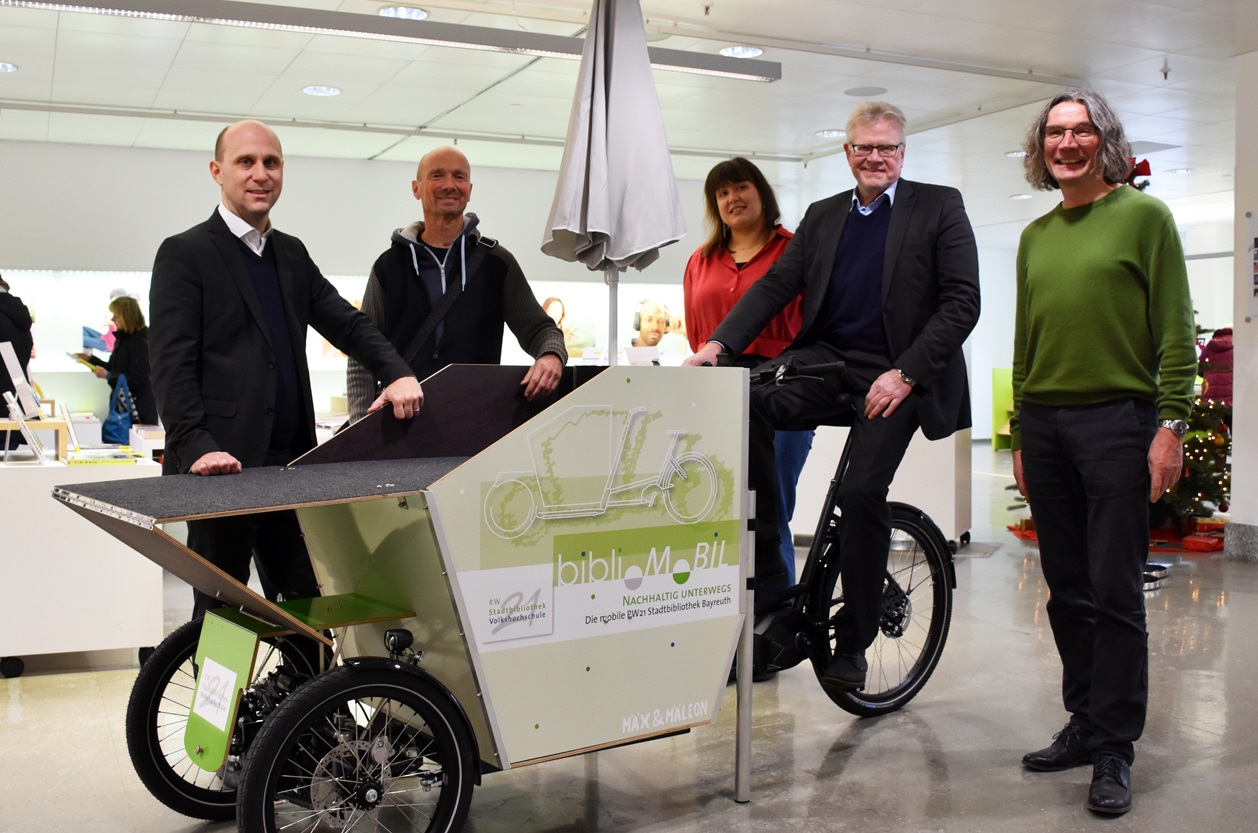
1082,132
885,151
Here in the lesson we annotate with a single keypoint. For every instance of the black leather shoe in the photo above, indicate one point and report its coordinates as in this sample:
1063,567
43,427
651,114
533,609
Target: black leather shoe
1069,749
1110,792
845,672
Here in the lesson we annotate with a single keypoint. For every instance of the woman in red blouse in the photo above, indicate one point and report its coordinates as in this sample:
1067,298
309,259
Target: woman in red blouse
746,239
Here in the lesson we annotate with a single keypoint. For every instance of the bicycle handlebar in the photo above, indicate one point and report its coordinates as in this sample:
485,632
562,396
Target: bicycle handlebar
783,373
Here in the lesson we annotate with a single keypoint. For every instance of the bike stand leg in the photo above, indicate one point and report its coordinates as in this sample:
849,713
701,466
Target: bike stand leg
742,753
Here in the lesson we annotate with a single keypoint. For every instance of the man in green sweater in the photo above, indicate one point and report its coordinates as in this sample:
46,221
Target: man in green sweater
1103,372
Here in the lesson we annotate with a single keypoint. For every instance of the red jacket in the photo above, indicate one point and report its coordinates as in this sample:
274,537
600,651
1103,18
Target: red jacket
713,285
1216,366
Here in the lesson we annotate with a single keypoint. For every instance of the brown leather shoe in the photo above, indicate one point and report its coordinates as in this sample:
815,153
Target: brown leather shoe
1069,749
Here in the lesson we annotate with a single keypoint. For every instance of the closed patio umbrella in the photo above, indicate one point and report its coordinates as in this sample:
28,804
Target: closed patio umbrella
616,202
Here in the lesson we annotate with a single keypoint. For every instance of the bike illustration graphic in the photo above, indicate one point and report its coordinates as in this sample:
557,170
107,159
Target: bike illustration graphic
572,479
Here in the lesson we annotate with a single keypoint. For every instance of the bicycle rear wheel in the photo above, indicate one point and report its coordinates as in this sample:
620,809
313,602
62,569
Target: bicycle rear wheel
916,615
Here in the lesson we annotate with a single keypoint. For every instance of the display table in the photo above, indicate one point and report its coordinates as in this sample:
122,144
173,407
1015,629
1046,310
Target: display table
55,424
68,585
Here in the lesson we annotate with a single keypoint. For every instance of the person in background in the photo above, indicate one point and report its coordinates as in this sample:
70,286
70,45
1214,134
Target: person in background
15,328
576,335
130,357
746,238
650,322
1215,366
445,259
1098,422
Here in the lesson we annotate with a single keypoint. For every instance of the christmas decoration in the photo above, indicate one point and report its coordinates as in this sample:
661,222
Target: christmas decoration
1207,482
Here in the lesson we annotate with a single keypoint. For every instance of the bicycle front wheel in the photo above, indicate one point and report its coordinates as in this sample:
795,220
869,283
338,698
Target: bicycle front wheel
913,626
360,749
157,715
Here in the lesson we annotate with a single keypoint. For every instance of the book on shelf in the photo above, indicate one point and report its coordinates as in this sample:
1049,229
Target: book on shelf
149,432
122,455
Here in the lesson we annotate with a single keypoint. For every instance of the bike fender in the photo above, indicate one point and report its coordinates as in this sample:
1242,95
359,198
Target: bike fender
394,665
935,532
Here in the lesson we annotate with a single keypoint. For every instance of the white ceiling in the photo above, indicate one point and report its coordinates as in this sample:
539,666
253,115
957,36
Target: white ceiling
968,73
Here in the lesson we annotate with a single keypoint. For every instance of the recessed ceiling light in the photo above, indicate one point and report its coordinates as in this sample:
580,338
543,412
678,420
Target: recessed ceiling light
865,92
320,90
8,67
1019,196
742,52
1178,171
404,12
830,133
1016,154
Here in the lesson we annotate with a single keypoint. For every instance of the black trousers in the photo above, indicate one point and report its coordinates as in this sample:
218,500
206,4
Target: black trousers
273,539
878,446
1087,479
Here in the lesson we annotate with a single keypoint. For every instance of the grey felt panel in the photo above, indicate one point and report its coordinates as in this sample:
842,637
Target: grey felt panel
253,490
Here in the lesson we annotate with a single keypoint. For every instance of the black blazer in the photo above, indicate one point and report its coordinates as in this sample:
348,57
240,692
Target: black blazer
930,293
214,373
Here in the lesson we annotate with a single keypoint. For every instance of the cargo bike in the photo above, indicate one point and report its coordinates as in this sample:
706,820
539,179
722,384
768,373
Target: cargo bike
496,575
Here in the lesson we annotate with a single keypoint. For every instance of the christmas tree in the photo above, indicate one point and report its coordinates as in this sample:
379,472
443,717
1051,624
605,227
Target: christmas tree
1207,481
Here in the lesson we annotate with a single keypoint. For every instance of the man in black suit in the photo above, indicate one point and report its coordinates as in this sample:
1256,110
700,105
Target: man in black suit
230,302
889,277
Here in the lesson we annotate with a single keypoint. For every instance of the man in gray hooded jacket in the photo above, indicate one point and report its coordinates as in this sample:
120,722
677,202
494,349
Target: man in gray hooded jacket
446,255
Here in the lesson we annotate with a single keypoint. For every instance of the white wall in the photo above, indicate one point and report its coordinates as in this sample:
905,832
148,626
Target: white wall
79,220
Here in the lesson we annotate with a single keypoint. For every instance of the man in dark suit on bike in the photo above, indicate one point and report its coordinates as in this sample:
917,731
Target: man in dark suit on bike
889,277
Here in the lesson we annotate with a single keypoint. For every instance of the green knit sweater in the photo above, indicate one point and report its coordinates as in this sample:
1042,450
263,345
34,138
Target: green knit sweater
1103,308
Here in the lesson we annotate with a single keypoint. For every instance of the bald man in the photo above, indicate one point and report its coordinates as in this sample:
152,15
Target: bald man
229,305
442,292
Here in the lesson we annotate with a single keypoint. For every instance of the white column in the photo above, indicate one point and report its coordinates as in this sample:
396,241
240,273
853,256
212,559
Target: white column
1242,532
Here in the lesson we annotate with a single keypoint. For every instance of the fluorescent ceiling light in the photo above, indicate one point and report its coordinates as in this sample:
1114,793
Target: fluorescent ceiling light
742,52
403,12
1020,196
865,92
1016,154
830,133
8,67
345,24
320,90
1178,171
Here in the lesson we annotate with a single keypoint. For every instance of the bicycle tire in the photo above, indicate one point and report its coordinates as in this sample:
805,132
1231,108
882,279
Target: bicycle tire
157,715
360,749
916,617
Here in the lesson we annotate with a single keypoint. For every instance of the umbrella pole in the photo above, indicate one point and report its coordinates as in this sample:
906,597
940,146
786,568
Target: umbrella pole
611,275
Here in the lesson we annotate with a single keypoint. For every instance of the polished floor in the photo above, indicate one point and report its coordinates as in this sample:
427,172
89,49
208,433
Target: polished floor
947,762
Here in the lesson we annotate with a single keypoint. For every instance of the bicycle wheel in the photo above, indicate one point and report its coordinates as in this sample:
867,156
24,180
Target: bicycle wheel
692,489
916,615
157,715
360,749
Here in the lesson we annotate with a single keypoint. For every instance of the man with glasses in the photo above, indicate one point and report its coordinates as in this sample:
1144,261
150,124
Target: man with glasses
1098,421
889,277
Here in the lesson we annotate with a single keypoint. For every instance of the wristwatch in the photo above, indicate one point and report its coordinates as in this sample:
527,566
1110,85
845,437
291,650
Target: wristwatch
1176,425
906,378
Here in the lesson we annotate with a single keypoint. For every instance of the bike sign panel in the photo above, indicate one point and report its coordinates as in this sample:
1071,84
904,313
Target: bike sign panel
601,539
609,582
